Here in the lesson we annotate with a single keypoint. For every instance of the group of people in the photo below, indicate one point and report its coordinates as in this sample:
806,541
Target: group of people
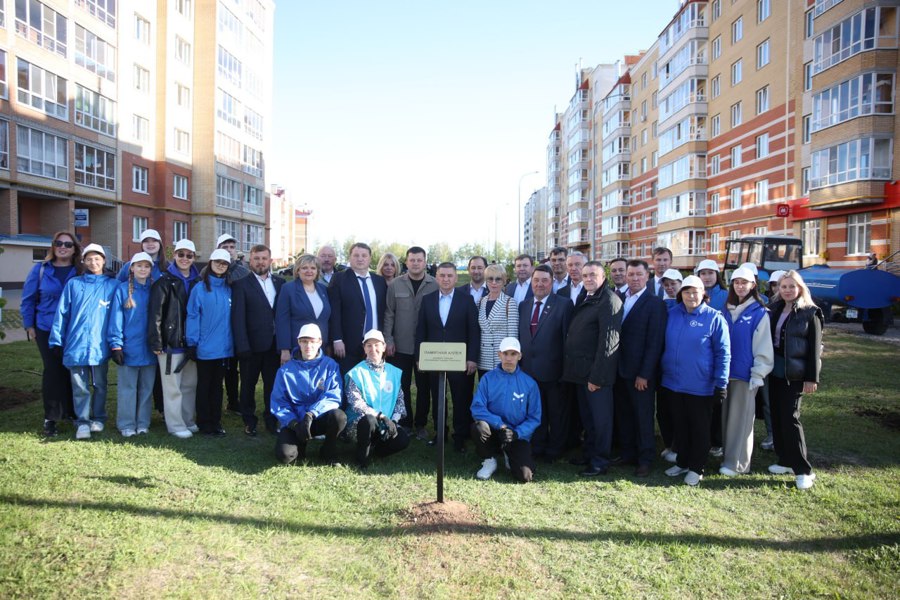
562,356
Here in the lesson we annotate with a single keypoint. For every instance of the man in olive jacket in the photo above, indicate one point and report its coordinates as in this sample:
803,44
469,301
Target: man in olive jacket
591,363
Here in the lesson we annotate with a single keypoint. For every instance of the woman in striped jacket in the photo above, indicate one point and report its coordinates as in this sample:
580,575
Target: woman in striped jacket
498,317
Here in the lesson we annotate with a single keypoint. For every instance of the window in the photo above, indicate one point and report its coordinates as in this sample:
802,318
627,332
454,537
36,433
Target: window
653,128
4,90
807,76
4,144
760,230
184,8
689,166
229,67
859,233
94,54
762,54
253,235
252,162
762,100
141,79
182,141
867,158
762,145
804,180
142,30
140,128
715,87
808,24
179,230
654,99
182,51
735,198
138,226
42,25
737,30
228,108
41,153
856,34
228,150
823,5
140,179
228,193
105,10
717,47
94,111
810,232
714,203
762,191
737,72
228,226
715,125
42,90
654,159
734,234
736,156
807,129
180,190
183,95
763,10
713,167
95,167
644,137
736,114
716,10
869,93
253,200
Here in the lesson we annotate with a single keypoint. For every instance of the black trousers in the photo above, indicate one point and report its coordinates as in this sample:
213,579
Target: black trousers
263,364
460,389
289,448
407,365
552,435
157,391
352,358
369,441
634,416
576,428
715,427
664,418
787,431
487,444
231,386
210,374
691,416
56,382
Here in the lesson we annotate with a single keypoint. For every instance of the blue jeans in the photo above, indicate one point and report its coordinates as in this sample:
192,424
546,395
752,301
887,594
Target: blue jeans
135,397
89,406
597,418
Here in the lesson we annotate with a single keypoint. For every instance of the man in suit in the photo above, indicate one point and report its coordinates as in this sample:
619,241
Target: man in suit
327,267
520,289
574,289
476,287
449,315
557,261
617,268
662,260
253,329
357,305
640,347
543,324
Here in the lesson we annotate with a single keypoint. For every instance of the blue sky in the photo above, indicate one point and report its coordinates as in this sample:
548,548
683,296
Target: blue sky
413,121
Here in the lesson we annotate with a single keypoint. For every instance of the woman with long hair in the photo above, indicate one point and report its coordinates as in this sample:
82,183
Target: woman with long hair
151,243
301,301
498,318
388,267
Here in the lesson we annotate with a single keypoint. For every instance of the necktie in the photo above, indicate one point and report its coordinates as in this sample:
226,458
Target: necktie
661,293
534,316
370,316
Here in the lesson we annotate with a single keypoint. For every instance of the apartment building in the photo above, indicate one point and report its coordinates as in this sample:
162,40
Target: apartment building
114,123
534,241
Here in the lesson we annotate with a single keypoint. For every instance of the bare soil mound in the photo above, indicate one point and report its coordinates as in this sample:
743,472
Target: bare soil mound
437,517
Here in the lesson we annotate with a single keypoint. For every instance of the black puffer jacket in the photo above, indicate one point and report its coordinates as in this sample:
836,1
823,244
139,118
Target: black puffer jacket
801,341
168,312
592,345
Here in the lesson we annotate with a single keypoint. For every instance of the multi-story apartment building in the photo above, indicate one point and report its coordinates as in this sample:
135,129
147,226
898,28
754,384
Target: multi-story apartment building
535,234
554,182
124,115
289,226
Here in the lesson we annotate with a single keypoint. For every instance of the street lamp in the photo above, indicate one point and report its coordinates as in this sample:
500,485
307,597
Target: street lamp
519,198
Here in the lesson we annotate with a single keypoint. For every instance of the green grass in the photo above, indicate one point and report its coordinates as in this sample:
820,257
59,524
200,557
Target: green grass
162,517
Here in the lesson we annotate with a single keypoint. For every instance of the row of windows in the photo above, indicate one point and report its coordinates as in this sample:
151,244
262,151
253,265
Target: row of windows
140,224
230,192
252,234
866,158
869,93
859,32
140,182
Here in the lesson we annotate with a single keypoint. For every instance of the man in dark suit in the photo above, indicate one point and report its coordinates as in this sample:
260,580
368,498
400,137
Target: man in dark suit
520,289
662,260
640,347
543,324
253,329
574,288
354,312
449,315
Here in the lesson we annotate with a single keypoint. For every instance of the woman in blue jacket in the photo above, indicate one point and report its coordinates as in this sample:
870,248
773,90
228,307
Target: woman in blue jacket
301,301
151,243
127,337
40,299
709,274
209,340
79,334
694,374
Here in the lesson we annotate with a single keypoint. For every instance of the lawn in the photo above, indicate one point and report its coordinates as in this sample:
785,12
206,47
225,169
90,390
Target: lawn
163,517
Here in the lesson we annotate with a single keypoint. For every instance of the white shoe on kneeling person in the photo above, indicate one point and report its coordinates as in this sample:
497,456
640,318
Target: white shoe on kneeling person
692,478
675,471
487,469
804,482
780,470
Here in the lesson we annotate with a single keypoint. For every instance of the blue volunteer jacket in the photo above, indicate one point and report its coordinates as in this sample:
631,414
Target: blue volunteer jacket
741,339
303,386
718,297
208,324
128,326
81,320
698,351
510,399
155,273
41,298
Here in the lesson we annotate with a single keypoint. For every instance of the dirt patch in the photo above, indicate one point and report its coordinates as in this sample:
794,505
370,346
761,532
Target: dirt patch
437,517
887,418
11,398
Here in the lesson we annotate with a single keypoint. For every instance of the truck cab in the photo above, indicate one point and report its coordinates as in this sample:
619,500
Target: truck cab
769,253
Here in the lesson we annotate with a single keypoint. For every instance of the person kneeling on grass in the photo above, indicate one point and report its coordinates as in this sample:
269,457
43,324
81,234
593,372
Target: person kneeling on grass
506,410
376,403
306,400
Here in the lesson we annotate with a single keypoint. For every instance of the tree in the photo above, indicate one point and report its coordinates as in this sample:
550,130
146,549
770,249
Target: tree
440,252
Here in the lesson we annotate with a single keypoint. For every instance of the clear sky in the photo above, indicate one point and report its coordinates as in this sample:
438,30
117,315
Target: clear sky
413,121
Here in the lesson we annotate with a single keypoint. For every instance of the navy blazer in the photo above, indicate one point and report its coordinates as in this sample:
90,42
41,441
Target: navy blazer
542,353
565,293
511,289
293,310
348,307
252,319
642,337
462,323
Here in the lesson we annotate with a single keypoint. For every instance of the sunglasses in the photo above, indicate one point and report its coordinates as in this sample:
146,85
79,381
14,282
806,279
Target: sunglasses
184,254
62,244
494,279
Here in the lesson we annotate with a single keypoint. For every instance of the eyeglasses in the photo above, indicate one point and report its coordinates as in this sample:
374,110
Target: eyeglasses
494,279
62,244
184,254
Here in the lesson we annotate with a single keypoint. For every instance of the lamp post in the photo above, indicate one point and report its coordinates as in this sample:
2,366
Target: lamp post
519,199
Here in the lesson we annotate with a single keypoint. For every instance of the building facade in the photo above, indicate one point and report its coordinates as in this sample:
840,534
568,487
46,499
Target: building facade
535,225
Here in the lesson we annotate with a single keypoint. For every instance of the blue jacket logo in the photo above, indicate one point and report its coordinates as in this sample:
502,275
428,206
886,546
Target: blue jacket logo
519,397
694,323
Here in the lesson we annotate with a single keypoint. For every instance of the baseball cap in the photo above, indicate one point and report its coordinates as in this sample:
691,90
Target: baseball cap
310,330
93,248
150,233
373,334
220,255
225,238
141,256
186,244
510,343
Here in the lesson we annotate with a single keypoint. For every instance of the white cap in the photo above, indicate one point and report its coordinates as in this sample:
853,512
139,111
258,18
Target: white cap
225,238
93,248
776,276
220,255
510,343
743,273
373,334
310,330
141,256
751,266
186,244
693,281
150,233
673,274
707,264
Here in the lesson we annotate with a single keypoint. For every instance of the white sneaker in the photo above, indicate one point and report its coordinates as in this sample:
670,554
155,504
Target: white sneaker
670,456
692,478
716,451
143,431
728,472
126,433
779,470
675,471
193,429
804,482
96,427
183,434
767,444
487,469
83,432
